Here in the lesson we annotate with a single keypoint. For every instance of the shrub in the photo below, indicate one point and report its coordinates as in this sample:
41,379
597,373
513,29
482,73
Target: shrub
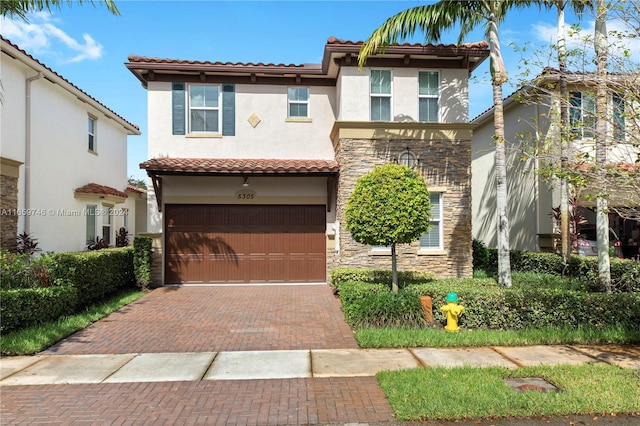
25,307
95,274
142,258
488,305
24,271
338,276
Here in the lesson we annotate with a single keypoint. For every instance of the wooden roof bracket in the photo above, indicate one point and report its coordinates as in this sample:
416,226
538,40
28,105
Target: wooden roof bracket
157,188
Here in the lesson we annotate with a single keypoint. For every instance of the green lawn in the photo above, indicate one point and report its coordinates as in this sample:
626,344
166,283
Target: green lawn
466,393
34,339
437,337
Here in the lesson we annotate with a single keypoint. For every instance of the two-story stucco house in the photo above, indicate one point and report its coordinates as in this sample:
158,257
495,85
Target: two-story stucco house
252,164
63,160
531,117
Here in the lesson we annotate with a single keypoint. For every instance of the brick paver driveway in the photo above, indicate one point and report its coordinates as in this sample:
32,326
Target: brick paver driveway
216,318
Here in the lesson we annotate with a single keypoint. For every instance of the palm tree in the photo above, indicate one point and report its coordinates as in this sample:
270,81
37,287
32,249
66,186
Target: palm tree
21,8
444,15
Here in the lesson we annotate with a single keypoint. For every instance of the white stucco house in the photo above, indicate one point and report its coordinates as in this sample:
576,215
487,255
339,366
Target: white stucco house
252,164
531,117
63,160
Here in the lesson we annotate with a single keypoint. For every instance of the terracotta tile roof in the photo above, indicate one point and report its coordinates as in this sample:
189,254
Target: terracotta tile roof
248,65
4,40
134,188
238,165
96,189
475,45
627,167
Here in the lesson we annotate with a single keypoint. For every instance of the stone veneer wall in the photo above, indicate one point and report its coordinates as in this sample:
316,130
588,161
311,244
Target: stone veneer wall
8,216
445,164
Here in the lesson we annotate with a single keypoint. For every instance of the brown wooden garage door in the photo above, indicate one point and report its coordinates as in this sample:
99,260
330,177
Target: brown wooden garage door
243,244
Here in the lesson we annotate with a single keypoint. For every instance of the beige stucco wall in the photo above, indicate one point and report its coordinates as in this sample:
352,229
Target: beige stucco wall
273,137
354,94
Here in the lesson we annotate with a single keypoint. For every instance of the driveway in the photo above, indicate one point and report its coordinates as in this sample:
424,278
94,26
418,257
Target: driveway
218,318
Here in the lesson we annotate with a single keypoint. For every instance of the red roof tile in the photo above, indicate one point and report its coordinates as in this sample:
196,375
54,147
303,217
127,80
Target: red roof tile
239,165
134,188
475,45
4,40
96,189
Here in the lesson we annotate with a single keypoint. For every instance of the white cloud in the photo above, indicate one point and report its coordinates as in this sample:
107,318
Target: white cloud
43,37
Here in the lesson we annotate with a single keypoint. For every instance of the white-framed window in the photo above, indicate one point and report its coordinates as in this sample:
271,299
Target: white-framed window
429,96
92,134
298,102
380,94
619,125
582,114
204,108
125,218
433,240
107,222
90,233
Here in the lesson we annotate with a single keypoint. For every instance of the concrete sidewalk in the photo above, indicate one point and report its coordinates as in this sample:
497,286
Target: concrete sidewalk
289,364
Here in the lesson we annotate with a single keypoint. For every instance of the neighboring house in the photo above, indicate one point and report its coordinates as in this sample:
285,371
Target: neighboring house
252,164
63,158
531,117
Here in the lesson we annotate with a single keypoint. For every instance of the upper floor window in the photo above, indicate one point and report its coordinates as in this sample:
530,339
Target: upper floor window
204,108
428,95
92,134
432,240
582,114
380,89
298,102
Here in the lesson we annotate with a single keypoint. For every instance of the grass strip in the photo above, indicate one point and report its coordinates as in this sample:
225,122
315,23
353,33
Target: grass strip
472,393
34,339
437,337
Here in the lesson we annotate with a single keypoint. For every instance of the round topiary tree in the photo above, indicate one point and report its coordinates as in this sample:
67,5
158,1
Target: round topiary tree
389,205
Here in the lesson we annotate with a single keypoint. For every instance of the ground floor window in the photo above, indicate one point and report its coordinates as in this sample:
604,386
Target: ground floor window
432,240
91,224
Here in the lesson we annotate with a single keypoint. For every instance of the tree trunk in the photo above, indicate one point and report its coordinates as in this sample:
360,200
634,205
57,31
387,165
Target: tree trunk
498,77
565,234
394,270
602,216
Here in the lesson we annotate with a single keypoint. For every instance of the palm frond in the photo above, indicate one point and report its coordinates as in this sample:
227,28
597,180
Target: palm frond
21,8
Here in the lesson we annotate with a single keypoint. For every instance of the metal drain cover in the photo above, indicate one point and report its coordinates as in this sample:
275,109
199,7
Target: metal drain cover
531,384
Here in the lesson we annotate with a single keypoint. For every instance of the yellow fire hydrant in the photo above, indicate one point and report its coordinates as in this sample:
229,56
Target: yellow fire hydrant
453,311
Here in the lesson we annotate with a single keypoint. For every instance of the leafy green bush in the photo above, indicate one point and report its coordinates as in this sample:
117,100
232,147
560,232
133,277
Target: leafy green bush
338,276
488,305
95,274
30,306
625,273
142,258
25,270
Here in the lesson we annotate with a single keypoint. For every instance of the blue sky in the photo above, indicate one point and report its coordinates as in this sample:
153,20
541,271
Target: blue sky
89,46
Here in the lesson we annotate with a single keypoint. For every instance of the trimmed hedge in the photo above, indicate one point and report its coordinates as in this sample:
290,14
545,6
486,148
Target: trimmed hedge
625,273
488,306
338,276
25,307
95,274
142,258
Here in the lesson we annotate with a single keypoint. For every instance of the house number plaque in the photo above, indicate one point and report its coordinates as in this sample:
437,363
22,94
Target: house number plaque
246,195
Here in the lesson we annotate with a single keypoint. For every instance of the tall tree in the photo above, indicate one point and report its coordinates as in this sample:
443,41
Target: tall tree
601,47
444,15
578,6
22,8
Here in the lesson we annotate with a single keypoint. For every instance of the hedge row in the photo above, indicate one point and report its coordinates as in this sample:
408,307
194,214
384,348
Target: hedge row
487,306
74,281
338,276
30,306
95,274
625,273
